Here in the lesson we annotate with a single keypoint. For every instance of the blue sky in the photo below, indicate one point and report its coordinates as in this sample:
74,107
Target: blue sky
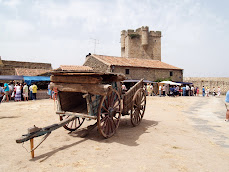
195,33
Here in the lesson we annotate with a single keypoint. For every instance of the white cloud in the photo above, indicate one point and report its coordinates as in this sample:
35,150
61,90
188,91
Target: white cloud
11,3
193,35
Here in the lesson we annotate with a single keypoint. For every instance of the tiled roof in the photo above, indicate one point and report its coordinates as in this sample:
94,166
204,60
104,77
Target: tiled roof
30,72
134,62
74,68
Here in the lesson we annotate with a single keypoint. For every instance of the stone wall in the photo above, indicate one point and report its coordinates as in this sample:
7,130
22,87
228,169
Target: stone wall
141,43
149,74
8,67
211,82
96,65
135,72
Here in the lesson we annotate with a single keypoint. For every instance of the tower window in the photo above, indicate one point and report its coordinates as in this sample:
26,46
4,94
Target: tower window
127,71
171,73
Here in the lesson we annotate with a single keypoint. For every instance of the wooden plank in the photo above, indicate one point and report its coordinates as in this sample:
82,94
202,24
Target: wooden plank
61,113
128,96
76,79
76,73
44,130
105,76
95,89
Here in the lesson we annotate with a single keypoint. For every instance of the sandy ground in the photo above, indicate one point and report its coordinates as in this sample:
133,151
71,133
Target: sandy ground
176,134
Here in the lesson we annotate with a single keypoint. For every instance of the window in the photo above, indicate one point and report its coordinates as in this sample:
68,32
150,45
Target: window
127,71
171,73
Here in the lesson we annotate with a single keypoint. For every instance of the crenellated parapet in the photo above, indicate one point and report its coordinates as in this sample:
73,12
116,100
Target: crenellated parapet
141,41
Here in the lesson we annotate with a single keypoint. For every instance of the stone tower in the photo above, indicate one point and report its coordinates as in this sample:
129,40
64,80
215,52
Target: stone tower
141,43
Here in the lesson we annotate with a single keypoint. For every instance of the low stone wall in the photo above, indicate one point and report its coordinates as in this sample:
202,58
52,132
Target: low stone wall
211,82
42,94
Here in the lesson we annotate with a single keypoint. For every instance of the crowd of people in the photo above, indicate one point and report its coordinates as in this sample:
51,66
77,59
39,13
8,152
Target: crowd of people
17,91
176,90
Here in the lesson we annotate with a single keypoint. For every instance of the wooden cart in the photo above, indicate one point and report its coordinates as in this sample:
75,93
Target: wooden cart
95,96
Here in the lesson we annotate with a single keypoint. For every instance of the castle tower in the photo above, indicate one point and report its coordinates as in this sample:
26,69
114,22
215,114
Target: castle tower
141,43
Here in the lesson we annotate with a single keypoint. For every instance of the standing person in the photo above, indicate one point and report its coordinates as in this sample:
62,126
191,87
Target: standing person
213,91
7,90
163,89
219,91
192,90
18,93
187,90
197,91
160,90
31,92
10,90
148,89
22,97
34,91
151,90
124,89
206,91
227,106
181,91
184,90
25,92
177,90
1,93
167,89
203,91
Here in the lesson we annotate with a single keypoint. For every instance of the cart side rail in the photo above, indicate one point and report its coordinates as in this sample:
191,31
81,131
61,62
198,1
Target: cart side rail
128,96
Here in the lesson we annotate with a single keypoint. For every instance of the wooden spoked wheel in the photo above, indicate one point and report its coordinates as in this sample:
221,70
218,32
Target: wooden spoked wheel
138,107
74,124
109,113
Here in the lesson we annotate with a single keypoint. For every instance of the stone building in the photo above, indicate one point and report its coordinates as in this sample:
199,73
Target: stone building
210,82
134,68
141,43
8,67
141,58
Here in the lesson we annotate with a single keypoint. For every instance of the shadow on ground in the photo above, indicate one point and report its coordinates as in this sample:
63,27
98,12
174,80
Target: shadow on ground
126,134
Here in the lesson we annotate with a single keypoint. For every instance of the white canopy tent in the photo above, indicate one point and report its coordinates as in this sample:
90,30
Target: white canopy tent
170,83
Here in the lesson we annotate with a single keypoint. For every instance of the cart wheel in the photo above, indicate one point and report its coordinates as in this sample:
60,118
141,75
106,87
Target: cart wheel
74,124
138,107
109,113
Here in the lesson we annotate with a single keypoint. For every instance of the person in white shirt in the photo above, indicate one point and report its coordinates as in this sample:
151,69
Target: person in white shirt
160,90
187,90
31,92
218,94
192,90
151,88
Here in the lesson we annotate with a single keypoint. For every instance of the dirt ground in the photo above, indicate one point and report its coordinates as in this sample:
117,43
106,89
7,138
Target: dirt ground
176,134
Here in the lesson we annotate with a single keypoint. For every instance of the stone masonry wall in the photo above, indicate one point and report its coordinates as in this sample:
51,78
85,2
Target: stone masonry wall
141,43
8,67
149,74
211,82
96,65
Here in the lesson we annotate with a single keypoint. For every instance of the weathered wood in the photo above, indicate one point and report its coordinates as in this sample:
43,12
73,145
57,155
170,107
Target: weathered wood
107,77
95,89
44,130
31,147
76,114
76,79
72,100
128,96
